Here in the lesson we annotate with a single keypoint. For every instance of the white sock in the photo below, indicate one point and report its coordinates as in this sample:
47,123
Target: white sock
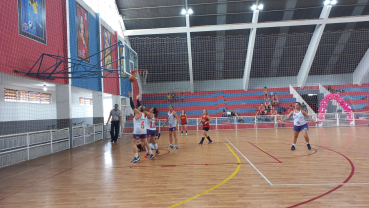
156,146
307,142
136,154
150,152
293,144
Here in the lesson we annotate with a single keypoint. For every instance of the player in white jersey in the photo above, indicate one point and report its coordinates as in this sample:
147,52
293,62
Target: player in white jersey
299,124
173,120
139,128
151,131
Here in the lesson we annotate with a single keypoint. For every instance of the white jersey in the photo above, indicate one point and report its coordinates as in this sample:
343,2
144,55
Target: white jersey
172,121
298,118
139,125
151,123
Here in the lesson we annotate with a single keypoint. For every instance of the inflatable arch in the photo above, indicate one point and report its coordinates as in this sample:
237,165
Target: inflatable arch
334,96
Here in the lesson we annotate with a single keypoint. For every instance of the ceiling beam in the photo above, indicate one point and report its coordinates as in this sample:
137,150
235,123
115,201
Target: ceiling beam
250,52
172,30
312,48
362,70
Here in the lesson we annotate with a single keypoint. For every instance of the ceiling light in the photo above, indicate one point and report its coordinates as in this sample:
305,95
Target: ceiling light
253,7
45,88
333,2
260,6
183,11
327,2
190,11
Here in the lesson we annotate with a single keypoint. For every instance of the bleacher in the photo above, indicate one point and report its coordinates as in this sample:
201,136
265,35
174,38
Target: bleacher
215,101
353,95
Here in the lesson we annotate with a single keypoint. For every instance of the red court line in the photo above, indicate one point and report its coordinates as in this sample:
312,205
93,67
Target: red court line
264,152
328,192
59,173
301,155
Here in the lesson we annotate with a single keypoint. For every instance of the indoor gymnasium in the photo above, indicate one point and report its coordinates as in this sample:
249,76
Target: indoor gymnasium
184,103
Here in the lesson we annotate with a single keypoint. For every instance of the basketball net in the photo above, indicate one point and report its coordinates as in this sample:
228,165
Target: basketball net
141,75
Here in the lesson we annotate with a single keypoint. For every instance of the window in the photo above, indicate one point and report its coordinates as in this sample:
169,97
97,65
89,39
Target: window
26,96
85,101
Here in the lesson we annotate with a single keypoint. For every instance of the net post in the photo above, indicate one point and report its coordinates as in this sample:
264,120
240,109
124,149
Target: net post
51,141
216,123
255,125
338,119
27,146
197,123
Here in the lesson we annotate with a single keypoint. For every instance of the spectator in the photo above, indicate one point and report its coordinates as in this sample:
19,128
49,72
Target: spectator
265,93
223,113
268,105
275,100
229,113
303,107
182,97
235,113
262,109
274,112
168,97
174,98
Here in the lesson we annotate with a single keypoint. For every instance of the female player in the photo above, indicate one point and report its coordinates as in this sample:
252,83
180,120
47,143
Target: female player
299,124
173,126
151,130
205,120
184,122
139,128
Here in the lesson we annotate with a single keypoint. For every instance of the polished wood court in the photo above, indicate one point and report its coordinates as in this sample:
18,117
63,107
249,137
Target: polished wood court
335,173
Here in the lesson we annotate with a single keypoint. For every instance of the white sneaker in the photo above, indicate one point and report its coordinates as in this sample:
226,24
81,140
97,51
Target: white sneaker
186,134
181,134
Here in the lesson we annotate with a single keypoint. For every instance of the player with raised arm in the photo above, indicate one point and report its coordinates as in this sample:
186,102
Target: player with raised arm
184,122
205,120
139,128
173,121
300,124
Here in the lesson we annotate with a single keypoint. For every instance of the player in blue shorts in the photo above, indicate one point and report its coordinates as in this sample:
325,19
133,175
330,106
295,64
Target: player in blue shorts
300,124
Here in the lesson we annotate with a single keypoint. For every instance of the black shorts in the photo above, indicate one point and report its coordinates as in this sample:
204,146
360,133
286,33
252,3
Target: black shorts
183,123
206,128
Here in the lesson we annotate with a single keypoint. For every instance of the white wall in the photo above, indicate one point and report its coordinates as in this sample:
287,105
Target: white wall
13,111
81,111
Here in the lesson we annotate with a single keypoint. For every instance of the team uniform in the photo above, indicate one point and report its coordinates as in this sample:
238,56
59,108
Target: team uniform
151,128
299,122
205,126
172,121
139,127
183,119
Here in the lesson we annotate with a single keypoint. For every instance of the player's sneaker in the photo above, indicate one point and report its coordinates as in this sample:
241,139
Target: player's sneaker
200,143
175,147
158,135
170,146
157,151
147,155
309,148
181,134
186,133
136,159
293,147
152,156
211,142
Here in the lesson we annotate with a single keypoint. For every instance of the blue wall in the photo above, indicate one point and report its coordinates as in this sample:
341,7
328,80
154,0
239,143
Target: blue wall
93,26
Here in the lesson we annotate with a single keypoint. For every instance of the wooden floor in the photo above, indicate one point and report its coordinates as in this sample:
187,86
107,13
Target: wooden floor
335,173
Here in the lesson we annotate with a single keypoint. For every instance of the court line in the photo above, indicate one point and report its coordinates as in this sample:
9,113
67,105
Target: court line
320,184
216,186
264,152
270,183
339,186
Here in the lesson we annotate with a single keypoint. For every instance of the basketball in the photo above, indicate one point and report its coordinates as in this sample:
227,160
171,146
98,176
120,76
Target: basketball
132,78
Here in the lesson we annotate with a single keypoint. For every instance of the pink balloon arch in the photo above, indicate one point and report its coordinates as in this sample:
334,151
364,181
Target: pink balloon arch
334,96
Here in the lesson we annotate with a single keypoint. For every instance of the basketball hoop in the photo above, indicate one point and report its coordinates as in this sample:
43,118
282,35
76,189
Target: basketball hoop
141,75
